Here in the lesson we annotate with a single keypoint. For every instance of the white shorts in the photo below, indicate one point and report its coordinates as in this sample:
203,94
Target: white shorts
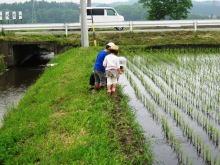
111,80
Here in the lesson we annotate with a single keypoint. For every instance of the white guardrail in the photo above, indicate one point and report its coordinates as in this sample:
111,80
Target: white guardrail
192,24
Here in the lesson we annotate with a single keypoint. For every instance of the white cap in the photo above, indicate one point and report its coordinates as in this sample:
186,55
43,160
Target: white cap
110,44
122,61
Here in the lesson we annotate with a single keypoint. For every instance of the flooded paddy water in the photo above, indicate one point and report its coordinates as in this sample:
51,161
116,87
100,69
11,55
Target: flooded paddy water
176,98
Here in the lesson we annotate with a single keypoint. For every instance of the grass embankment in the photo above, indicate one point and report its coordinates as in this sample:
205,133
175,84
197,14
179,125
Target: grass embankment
133,40
60,122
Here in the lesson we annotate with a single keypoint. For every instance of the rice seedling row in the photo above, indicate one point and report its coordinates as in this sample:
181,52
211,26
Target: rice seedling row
172,112
182,79
153,109
188,109
197,114
176,104
197,102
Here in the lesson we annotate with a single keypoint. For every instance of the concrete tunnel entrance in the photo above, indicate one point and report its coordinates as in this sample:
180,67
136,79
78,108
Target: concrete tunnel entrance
31,54
27,53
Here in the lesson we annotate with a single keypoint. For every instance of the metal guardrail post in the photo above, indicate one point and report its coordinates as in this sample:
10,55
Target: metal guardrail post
131,26
195,25
66,28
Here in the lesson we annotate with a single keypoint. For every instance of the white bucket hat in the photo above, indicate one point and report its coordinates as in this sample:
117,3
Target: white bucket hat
122,61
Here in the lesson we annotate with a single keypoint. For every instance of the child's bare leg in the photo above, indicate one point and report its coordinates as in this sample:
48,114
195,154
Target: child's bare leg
114,88
109,86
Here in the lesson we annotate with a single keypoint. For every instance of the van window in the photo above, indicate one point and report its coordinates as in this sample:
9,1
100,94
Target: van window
110,12
95,11
103,14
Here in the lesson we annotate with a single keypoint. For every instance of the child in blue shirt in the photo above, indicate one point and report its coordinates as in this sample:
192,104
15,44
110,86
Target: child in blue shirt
99,70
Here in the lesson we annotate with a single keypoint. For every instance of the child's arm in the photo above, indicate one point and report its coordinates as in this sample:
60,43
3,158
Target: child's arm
121,70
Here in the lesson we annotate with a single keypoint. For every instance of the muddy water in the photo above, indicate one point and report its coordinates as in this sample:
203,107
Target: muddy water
13,85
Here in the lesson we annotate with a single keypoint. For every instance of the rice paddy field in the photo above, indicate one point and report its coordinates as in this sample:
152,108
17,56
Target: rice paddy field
179,90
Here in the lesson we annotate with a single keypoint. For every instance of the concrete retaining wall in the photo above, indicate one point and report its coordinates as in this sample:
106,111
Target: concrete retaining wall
2,65
15,51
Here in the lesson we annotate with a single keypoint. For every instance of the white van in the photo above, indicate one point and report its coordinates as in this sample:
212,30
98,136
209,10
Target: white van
104,14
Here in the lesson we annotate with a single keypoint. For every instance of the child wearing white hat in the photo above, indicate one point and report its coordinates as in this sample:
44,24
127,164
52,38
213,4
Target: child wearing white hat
112,68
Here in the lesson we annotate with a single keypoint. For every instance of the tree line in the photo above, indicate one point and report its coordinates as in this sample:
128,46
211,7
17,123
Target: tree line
61,12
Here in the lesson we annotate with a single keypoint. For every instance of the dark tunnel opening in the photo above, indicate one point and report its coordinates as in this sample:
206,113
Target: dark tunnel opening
31,54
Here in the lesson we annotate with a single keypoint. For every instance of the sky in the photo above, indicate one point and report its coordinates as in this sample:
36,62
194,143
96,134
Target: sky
76,1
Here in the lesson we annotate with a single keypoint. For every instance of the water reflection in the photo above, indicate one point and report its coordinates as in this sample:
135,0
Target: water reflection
162,151
13,85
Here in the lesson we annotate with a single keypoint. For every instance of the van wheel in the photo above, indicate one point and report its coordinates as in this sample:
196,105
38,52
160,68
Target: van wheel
119,28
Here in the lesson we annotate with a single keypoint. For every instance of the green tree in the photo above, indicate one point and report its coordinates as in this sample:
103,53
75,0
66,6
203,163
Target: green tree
138,12
167,9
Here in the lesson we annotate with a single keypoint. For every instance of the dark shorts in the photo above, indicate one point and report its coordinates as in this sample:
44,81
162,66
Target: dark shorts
100,78
92,79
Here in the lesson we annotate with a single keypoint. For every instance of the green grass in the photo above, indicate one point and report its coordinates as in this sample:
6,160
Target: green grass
129,40
59,121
